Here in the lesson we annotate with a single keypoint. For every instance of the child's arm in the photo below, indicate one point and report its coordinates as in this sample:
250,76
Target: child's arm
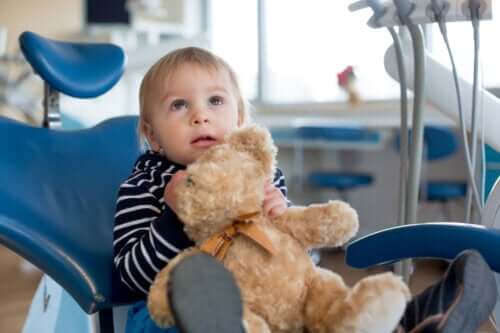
275,200
147,233
280,183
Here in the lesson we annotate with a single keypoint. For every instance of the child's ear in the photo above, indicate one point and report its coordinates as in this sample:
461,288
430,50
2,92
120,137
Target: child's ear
150,136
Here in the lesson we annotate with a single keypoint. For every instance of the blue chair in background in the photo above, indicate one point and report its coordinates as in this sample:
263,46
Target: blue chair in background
58,188
342,181
440,143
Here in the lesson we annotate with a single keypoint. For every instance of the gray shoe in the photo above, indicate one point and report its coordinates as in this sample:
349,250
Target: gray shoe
204,297
458,303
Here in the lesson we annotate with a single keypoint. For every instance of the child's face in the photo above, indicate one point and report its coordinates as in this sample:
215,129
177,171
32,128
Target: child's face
193,113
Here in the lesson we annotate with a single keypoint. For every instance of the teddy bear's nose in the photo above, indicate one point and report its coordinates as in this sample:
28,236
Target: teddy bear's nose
189,181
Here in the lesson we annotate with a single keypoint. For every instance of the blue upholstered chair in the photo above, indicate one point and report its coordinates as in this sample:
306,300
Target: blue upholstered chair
58,188
440,143
341,181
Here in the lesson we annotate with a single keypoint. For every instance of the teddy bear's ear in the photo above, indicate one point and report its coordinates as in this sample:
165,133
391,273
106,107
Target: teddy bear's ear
257,141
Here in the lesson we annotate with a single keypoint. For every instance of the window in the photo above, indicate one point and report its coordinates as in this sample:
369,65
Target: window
233,27
306,44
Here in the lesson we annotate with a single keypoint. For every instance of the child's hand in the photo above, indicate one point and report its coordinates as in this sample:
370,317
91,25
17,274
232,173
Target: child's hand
169,194
274,201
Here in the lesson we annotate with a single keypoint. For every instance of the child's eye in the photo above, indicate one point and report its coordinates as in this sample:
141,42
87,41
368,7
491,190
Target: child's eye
216,100
178,105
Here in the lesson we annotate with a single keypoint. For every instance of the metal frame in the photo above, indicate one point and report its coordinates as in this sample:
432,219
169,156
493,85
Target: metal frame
51,109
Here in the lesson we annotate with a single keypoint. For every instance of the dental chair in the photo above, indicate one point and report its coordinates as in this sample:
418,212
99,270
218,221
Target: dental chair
58,188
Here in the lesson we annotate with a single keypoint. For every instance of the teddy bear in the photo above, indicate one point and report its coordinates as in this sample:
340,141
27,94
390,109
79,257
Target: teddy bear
282,290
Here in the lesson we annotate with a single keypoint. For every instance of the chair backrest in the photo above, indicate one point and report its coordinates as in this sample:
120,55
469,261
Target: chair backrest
338,133
440,142
57,201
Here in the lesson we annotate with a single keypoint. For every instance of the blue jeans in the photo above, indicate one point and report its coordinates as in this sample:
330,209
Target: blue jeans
139,321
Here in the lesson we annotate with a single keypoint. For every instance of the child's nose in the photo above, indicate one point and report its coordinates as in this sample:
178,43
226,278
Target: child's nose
200,116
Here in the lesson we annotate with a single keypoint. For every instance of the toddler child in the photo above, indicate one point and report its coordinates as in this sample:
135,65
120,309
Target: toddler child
189,100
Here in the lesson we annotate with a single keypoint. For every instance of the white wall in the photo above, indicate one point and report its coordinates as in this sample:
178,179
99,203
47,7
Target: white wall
52,18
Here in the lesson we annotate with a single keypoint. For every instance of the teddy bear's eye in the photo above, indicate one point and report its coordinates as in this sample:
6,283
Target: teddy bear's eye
189,181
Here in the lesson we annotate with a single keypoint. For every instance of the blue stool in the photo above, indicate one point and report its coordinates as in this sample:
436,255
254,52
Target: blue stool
58,188
340,181
440,143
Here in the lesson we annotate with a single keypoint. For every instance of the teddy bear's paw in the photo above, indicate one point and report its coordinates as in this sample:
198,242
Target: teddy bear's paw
344,222
158,307
162,319
379,302
254,323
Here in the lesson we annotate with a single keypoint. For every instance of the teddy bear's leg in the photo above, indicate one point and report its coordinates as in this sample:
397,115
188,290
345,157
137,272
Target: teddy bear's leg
374,305
378,303
325,291
254,323
158,305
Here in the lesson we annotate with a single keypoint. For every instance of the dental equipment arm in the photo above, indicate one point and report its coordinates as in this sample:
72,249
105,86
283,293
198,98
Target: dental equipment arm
444,97
388,13
441,93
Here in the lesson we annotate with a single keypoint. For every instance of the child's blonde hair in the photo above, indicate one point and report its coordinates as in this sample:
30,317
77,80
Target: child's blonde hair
160,72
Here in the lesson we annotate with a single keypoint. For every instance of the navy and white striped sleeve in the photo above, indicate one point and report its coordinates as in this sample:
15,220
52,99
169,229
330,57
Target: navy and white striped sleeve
279,182
147,233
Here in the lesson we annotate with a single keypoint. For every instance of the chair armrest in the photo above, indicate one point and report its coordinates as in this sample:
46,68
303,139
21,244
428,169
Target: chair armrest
426,240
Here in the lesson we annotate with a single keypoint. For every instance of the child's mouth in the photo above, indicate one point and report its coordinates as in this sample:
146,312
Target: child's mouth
204,141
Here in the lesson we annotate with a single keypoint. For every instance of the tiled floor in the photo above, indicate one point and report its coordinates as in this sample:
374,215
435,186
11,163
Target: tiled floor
17,287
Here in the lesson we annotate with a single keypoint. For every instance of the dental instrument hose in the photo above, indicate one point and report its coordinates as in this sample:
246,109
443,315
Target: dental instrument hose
472,181
403,166
402,268
405,8
474,11
417,124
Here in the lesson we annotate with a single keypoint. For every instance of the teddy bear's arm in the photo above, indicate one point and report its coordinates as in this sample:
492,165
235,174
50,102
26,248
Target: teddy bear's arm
158,305
320,225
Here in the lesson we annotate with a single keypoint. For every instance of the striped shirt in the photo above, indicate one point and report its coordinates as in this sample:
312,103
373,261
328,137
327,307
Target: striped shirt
147,233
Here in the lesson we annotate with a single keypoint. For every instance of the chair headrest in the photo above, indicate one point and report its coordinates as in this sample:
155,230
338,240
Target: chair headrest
83,70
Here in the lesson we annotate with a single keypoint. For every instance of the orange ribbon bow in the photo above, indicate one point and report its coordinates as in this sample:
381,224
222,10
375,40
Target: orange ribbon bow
218,245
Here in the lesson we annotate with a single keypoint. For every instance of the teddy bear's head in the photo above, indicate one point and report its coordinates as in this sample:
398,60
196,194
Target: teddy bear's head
226,182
